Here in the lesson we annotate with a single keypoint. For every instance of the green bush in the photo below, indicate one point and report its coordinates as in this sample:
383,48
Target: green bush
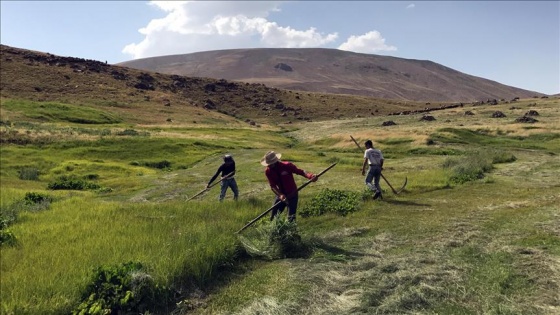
71,183
332,200
122,289
8,215
7,237
159,165
35,198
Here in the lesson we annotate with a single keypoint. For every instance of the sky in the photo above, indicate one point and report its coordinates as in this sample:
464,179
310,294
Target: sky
516,43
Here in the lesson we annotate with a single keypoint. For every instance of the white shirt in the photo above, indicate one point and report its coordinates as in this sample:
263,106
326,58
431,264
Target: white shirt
374,156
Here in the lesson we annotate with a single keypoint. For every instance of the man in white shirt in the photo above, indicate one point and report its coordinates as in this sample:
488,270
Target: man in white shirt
374,158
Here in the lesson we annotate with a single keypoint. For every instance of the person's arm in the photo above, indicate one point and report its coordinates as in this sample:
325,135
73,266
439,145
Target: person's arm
274,186
364,166
296,170
381,163
214,177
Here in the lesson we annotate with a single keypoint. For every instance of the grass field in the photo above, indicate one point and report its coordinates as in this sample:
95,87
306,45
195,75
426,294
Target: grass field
476,231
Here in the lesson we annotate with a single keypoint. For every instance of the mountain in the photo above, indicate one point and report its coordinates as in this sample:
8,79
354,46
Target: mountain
148,97
335,71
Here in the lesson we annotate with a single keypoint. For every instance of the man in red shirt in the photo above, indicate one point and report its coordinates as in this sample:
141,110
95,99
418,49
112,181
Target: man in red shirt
280,176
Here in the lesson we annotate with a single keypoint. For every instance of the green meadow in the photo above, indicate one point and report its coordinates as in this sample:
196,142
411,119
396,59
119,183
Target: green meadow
86,194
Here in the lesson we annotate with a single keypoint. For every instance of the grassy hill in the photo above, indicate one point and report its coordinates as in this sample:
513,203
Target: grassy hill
335,71
95,179
168,100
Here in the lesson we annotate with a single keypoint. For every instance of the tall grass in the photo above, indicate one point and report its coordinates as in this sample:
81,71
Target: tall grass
177,242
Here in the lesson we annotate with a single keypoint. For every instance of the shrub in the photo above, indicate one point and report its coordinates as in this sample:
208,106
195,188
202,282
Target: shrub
36,201
7,237
159,165
8,215
71,183
121,289
332,200
35,198
28,173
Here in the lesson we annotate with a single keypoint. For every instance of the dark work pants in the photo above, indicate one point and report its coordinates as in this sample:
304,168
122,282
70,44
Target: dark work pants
292,207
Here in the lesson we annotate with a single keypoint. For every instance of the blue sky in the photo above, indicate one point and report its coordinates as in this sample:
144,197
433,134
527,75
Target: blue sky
516,43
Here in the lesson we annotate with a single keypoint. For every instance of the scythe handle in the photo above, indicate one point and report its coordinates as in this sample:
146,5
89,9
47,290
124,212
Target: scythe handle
216,183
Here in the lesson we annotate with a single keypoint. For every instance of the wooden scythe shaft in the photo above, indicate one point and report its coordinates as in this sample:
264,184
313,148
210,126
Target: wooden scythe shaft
385,179
276,204
216,183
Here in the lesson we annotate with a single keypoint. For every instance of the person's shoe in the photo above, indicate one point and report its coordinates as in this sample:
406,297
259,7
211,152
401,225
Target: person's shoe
377,195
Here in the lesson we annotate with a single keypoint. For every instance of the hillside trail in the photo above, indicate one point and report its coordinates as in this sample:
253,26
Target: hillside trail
355,271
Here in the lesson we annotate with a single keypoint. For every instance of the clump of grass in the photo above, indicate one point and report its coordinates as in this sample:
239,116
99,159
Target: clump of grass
121,289
28,173
332,201
502,157
473,166
276,239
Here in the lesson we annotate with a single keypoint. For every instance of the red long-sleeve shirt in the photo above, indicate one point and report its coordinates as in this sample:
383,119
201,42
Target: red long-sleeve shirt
281,177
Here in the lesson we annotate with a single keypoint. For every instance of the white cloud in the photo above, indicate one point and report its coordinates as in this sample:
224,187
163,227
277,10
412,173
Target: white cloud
371,42
410,6
191,26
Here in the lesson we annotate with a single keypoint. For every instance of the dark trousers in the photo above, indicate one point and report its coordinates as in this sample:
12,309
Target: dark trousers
374,174
292,203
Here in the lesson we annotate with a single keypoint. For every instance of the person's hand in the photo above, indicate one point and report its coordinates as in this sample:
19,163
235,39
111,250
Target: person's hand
207,186
363,172
312,177
282,198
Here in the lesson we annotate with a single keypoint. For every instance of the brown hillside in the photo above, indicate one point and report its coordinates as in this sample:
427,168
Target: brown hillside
335,71
155,98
